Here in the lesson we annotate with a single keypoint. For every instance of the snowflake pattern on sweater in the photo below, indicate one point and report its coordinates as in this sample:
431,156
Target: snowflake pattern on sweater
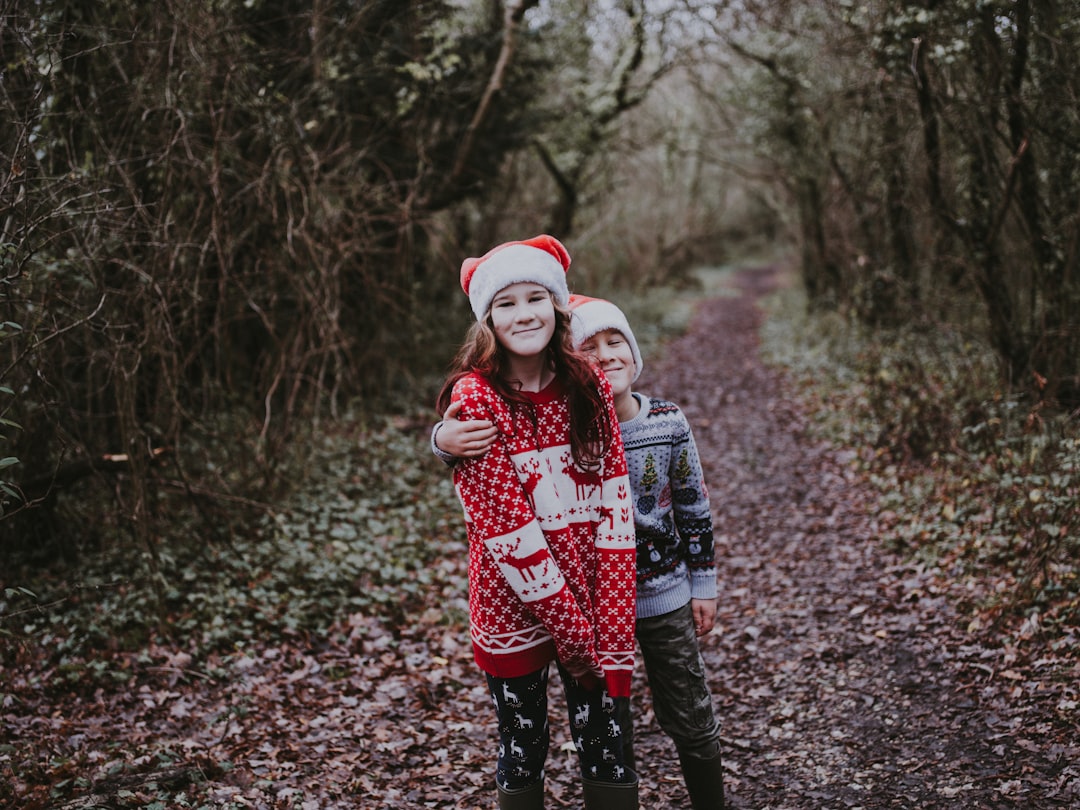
551,546
675,555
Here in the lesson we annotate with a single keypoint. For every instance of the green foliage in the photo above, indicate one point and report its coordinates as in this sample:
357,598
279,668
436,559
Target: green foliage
363,533
928,154
987,481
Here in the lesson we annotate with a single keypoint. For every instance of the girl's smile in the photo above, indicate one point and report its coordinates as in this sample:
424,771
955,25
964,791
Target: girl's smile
523,318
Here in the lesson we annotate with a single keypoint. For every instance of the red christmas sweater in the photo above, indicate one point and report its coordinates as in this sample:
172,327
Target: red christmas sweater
551,547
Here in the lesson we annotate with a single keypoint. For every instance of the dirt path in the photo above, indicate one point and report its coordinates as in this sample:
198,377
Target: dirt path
842,676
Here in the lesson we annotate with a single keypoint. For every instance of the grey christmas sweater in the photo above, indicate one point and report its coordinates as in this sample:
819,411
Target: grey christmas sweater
675,560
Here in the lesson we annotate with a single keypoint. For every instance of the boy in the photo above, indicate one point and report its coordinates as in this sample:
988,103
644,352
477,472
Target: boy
676,570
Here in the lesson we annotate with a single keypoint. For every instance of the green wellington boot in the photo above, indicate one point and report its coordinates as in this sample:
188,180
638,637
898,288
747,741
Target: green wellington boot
610,796
527,798
704,782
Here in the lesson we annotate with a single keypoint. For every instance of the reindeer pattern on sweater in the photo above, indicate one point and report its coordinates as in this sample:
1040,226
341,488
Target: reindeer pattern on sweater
551,546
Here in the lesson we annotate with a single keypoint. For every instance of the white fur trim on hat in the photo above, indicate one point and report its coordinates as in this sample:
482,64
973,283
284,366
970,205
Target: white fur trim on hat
541,260
590,316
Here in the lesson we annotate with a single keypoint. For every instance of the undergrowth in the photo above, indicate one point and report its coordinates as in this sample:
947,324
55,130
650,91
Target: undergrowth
365,531
976,480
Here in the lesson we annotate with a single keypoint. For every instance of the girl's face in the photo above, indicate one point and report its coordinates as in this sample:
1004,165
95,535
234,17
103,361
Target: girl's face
612,351
523,317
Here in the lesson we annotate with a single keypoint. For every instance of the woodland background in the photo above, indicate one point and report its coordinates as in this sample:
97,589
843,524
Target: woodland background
230,233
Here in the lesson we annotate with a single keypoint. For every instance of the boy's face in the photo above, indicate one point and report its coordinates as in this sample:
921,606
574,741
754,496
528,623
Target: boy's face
616,360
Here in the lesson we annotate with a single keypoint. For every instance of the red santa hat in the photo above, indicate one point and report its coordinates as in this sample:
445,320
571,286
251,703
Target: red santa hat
590,316
541,260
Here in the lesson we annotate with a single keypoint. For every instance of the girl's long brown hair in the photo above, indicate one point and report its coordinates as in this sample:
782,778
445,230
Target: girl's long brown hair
590,429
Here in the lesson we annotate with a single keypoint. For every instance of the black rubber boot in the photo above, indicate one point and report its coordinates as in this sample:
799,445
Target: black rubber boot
609,795
704,781
527,798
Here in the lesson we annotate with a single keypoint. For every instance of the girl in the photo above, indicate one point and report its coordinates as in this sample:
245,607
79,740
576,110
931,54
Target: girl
676,565
549,521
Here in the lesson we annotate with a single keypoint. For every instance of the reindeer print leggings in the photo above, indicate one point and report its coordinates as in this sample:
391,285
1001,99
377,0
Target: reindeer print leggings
522,708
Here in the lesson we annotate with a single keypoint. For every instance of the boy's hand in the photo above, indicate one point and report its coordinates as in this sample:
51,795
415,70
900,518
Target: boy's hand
469,439
704,611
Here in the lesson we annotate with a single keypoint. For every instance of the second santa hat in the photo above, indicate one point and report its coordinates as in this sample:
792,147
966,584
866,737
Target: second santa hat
542,260
590,316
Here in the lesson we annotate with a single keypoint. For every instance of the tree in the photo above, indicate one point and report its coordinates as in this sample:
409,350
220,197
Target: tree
210,218
953,124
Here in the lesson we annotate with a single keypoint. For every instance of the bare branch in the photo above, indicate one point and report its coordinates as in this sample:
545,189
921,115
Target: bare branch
511,24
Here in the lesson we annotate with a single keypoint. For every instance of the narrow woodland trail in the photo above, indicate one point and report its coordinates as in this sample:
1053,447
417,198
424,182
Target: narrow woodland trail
843,678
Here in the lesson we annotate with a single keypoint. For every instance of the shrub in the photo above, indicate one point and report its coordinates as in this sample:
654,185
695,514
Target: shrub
987,481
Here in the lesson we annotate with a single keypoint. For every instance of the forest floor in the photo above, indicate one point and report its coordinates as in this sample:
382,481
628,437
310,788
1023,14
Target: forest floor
844,675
